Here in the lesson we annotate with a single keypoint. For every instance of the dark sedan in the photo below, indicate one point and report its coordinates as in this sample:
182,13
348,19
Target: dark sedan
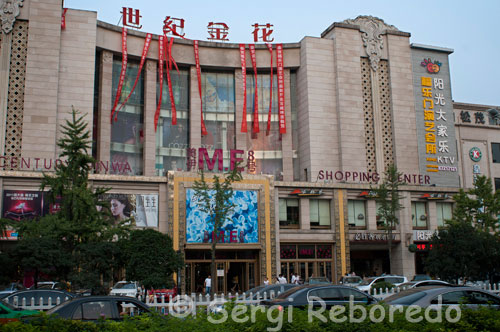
268,292
457,295
313,295
39,297
91,308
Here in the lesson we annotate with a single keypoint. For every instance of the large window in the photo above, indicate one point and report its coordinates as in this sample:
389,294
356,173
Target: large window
219,112
495,151
357,213
127,136
419,215
266,145
307,260
289,212
497,184
444,212
319,211
172,141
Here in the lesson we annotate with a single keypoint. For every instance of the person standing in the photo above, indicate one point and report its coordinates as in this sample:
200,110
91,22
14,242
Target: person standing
282,279
294,279
266,281
208,284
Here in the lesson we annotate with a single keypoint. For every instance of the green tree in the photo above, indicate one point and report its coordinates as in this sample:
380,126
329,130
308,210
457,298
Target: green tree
468,246
387,196
213,199
150,258
479,206
80,226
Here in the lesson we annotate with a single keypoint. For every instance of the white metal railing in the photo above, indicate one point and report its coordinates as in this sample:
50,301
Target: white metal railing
36,303
197,302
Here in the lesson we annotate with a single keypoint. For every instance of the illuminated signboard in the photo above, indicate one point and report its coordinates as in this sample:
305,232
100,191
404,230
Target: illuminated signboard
435,121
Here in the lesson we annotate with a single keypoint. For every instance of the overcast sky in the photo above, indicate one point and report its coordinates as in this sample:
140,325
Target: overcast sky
468,27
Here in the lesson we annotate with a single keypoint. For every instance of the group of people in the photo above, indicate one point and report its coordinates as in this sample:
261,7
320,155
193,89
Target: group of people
281,279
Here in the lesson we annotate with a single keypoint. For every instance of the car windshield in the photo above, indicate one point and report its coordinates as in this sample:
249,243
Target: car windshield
122,285
367,281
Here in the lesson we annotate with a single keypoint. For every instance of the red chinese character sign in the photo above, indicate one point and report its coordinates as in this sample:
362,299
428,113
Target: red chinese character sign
218,31
265,33
173,27
131,18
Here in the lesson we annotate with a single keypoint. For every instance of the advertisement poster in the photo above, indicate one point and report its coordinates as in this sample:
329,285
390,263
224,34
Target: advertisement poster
143,208
22,204
240,227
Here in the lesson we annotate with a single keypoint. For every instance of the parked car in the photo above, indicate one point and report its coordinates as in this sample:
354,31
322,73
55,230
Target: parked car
92,308
40,297
269,291
351,281
419,277
50,285
166,293
9,313
368,284
318,281
456,295
413,284
126,288
302,296
10,288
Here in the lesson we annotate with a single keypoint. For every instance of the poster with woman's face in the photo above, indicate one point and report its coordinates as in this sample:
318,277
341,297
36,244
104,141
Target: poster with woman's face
142,208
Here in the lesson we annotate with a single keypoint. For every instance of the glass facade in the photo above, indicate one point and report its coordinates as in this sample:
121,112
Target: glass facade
172,141
219,112
266,145
127,136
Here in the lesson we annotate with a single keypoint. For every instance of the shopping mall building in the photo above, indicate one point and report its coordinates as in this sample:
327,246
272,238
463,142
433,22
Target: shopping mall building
344,106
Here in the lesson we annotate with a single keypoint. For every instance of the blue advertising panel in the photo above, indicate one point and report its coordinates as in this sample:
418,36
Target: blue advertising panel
241,226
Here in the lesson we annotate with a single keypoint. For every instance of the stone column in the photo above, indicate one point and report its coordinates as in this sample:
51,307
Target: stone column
305,219
5,52
149,132
104,107
194,110
403,261
286,143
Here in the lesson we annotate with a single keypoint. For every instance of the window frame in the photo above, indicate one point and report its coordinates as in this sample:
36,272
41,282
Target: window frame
495,152
318,225
416,217
356,215
288,224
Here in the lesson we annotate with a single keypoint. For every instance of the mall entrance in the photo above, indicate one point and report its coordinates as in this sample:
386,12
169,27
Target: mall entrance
237,270
369,263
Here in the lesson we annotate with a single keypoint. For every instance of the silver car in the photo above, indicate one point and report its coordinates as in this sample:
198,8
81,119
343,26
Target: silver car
422,283
457,295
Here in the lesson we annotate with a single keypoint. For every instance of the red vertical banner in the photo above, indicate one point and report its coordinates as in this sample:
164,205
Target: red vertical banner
198,73
281,88
145,50
255,95
270,48
122,74
244,81
63,18
160,73
168,53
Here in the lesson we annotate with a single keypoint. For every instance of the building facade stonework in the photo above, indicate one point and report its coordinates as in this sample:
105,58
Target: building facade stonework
356,99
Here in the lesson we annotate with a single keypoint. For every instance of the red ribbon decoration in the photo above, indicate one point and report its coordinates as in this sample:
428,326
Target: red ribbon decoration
122,74
270,48
255,128
281,88
198,73
244,81
169,67
160,72
145,50
63,18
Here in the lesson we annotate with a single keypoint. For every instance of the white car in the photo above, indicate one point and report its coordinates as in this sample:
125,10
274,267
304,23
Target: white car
126,288
367,285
